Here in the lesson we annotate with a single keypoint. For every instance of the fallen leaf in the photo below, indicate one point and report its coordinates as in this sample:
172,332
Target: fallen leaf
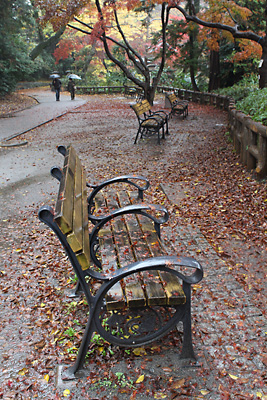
233,377
167,369
139,351
178,384
23,371
140,379
160,396
204,392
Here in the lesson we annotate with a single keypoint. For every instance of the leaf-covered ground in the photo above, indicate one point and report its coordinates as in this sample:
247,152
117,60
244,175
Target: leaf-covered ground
13,103
218,215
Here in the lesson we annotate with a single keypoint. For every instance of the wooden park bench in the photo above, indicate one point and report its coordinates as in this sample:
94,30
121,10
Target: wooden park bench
135,292
178,107
150,122
135,92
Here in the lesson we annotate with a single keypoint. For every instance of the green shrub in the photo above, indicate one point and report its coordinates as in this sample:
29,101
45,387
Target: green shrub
255,105
249,98
242,89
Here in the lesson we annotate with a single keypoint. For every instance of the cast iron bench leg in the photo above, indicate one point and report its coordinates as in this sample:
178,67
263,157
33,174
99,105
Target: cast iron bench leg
89,330
187,349
77,291
139,129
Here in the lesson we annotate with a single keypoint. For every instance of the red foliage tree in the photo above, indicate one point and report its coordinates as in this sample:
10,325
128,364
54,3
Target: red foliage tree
65,12
230,17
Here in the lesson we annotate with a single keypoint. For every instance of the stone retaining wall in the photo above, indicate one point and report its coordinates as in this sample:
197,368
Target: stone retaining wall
249,137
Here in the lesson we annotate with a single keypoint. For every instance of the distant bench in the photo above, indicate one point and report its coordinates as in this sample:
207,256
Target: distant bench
178,107
135,292
150,122
136,92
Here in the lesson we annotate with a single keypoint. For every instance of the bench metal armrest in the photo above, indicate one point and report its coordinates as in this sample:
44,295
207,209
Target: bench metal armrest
129,179
158,112
164,263
159,120
142,209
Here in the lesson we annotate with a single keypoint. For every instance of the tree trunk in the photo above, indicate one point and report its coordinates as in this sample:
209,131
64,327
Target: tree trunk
214,81
192,48
193,79
149,93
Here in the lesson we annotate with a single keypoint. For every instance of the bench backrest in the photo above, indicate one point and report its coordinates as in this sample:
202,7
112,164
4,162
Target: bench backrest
141,108
71,213
172,97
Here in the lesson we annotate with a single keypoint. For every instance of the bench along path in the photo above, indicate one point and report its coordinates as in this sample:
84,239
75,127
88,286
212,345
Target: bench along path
136,293
178,106
150,122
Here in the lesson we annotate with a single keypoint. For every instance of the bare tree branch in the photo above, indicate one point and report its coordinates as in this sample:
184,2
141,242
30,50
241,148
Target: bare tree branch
232,29
132,54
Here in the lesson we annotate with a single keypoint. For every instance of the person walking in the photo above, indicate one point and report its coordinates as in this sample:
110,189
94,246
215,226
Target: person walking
57,85
71,88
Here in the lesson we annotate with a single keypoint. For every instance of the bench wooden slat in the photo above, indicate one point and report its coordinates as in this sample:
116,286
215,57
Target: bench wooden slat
64,205
153,286
84,255
173,289
115,298
75,237
134,293
172,97
149,123
132,286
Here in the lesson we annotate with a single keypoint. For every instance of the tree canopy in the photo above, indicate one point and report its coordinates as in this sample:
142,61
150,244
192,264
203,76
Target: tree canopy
238,19
103,22
136,35
20,33
15,18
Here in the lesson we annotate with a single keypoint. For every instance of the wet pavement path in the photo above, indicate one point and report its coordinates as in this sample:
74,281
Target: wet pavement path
46,110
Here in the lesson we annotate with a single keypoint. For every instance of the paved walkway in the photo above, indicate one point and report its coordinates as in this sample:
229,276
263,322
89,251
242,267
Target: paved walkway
46,110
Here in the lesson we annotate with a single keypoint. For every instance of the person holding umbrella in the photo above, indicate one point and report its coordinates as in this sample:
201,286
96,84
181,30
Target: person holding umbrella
57,85
71,88
71,84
